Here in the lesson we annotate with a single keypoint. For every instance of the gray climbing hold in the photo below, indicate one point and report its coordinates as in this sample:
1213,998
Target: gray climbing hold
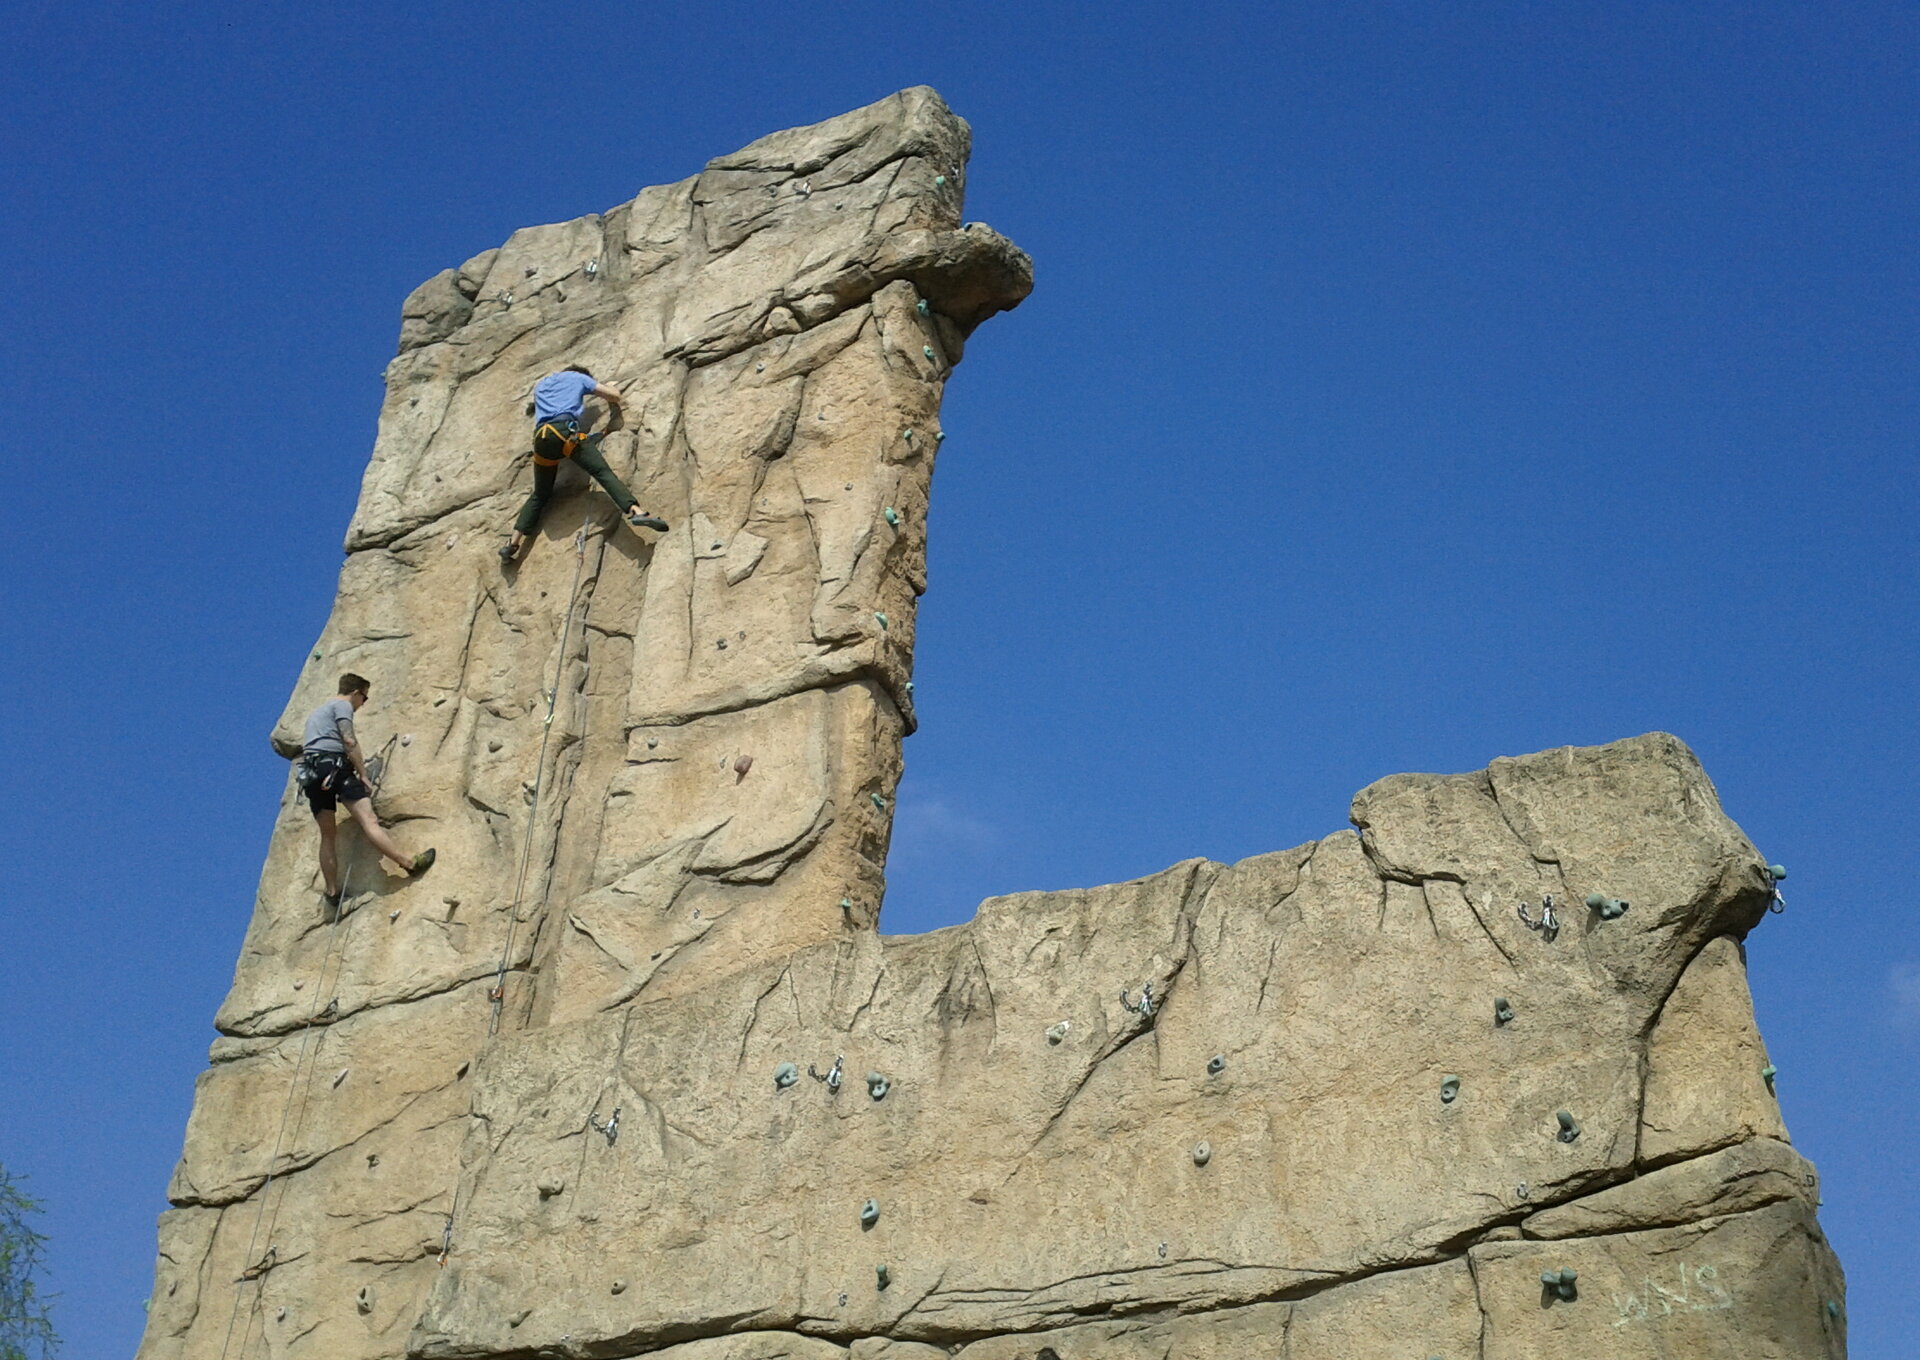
785,1075
907,435
882,1277
1610,908
927,350
1449,1089
1560,1284
870,1213
877,801
1202,1153
619,1286
881,619
1767,1074
1568,1129
1216,1064
892,516
549,1186
1056,1033
923,307
1502,1011
364,1299
909,686
878,1085
519,1317
1776,872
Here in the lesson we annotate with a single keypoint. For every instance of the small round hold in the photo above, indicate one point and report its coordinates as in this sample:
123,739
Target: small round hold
1778,872
927,350
1833,1308
1216,1064
1057,1033
1502,1011
877,801
939,181
870,1213
1202,1153
892,516
619,1287
785,1075
909,686
939,436
1569,1130
881,619
878,1085
1449,1089
882,1277
922,307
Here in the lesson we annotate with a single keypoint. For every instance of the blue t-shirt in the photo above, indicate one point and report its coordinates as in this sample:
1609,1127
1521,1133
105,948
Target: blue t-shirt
560,394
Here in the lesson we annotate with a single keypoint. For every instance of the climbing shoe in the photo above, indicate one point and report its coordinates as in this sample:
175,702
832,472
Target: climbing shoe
506,552
640,519
333,905
422,862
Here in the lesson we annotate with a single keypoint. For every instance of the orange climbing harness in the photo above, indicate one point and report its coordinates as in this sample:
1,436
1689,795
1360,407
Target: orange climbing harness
564,432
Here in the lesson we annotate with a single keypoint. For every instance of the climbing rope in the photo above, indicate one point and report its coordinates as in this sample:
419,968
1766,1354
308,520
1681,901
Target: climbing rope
257,1268
497,997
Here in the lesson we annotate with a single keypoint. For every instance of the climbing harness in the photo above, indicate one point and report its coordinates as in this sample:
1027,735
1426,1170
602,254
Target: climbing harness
564,431
1549,923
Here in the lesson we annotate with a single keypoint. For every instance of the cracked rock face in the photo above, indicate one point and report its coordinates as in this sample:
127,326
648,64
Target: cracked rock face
630,1071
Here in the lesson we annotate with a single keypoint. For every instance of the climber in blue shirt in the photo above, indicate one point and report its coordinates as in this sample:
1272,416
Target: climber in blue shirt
558,401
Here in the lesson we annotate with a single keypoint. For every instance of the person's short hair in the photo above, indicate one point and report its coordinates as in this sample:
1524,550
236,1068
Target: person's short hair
576,368
354,684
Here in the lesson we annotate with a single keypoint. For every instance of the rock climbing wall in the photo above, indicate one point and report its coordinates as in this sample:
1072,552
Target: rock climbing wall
631,1072
647,761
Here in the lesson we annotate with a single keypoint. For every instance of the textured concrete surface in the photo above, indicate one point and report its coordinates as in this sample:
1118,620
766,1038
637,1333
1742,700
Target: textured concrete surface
630,1072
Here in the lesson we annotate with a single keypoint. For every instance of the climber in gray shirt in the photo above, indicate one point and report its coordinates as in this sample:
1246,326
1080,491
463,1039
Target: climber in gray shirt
332,771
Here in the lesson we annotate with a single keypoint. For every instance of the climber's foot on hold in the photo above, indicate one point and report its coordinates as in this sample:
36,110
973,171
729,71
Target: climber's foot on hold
331,910
640,519
421,863
510,550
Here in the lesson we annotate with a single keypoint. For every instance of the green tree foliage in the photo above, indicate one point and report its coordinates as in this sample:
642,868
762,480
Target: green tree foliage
26,1328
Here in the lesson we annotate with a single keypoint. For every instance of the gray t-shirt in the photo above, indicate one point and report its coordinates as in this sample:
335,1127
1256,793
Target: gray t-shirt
323,726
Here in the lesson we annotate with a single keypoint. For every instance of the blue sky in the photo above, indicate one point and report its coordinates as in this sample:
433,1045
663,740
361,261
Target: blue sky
1405,385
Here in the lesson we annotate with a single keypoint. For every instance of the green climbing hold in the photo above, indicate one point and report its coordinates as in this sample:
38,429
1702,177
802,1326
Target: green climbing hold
878,1085
939,435
882,620
1569,1130
927,350
1502,1011
1216,1064
923,307
1056,1033
1776,872
877,801
1767,1074
907,435
1833,1308
785,1075
1610,908
909,687
870,1213
1560,1283
892,515
1449,1089
939,181
882,1277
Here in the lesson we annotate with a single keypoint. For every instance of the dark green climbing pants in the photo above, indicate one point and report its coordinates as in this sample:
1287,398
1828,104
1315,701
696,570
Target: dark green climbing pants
550,449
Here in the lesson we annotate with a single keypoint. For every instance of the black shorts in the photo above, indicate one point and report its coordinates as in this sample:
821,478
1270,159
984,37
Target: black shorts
327,780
